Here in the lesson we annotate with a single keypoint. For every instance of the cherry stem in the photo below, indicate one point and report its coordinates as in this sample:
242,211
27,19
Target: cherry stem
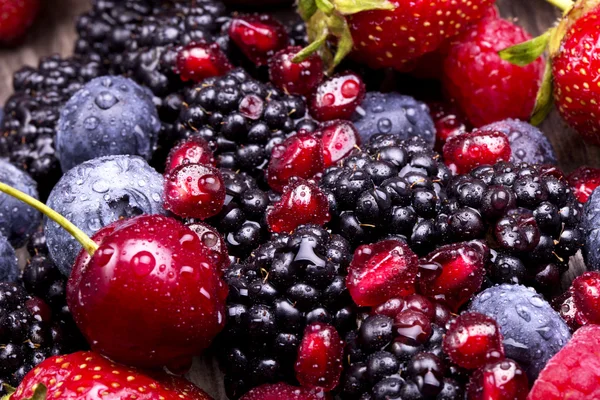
563,5
88,244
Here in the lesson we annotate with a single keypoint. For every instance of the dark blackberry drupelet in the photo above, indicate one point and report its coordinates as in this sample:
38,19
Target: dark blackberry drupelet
529,215
398,355
35,322
31,113
389,187
242,119
287,283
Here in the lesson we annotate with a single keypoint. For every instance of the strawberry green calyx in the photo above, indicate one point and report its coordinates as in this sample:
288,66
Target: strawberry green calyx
88,244
563,5
39,392
326,20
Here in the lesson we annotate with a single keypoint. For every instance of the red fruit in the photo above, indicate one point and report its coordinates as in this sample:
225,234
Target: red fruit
448,123
453,273
412,327
280,391
486,88
152,281
193,150
583,181
213,241
302,202
258,36
89,376
565,305
300,155
381,271
16,16
194,191
320,357
472,340
339,139
337,97
414,302
586,295
295,78
502,380
198,61
464,152
574,372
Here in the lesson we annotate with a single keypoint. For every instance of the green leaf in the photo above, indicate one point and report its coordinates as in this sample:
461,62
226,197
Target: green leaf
527,52
307,8
349,7
310,49
326,6
544,100
9,391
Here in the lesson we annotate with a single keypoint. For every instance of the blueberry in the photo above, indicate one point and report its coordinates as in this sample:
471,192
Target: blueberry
528,143
17,219
9,270
533,332
97,193
395,114
110,115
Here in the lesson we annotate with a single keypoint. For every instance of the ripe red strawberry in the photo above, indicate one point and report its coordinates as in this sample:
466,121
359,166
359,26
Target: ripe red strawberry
583,181
16,16
485,87
89,376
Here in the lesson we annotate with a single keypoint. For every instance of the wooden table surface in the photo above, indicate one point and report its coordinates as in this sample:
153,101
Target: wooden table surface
54,33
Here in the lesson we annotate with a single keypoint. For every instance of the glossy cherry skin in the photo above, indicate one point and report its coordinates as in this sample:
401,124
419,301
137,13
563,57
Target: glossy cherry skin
586,295
464,152
302,202
501,380
339,139
193,150
583,181
198,61
150,296
214,242
337,97
295,78
258,36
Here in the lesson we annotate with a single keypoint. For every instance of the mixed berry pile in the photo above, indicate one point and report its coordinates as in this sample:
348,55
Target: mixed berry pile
259,189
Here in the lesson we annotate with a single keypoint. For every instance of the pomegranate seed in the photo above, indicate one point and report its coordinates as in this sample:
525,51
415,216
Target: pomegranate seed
381,271
198,61
583,181
194,191
472,340
448,123
339,139
215,243
464,152
252,106
413,327
302,202
193,150
319,362
337,97
586,295
502,380
258,36
295,78
453,273
300,155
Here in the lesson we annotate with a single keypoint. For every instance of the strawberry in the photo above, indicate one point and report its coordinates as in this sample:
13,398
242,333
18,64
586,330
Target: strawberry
387,33
16,16
89,376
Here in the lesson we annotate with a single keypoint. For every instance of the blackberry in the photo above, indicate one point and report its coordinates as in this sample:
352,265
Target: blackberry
401,357
529,215
242,119
31,113
391,187
35,322
287,283
242,219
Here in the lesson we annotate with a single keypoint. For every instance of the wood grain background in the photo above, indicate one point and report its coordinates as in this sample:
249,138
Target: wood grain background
54,33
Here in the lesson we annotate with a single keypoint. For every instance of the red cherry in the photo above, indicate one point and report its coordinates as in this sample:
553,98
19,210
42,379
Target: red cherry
320,357
153,282
295,78
281,391
213,241
302,202
198,61
258,36
337,97
472,340
339,139
194,191
193,150
300,155
453,273
381,271
502,380
448,123
586,295
464,152
583,181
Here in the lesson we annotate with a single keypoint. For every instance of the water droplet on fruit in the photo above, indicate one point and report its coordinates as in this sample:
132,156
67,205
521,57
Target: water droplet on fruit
143,263
91,123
